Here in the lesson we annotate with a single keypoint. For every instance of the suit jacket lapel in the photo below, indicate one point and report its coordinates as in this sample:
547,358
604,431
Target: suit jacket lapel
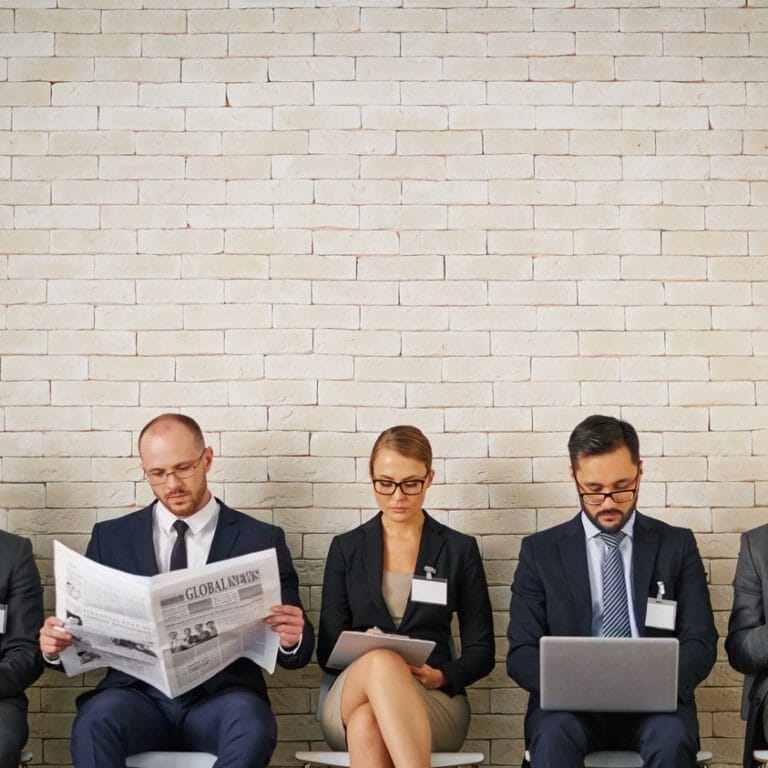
644,549
430,546
374,566
145,552
225,535
573,551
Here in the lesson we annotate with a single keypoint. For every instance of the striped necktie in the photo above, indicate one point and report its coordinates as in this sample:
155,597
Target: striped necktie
615,609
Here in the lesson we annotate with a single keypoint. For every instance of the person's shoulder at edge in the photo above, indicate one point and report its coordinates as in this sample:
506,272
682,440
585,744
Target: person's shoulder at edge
6,537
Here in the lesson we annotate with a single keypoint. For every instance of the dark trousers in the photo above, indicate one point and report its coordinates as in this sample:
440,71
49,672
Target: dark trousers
235,724
664,740
13,732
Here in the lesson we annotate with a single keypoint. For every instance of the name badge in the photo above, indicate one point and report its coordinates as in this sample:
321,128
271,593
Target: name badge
429,590
661,614
3,618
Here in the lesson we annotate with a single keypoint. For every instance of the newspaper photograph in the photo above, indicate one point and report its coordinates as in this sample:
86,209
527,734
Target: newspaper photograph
174,630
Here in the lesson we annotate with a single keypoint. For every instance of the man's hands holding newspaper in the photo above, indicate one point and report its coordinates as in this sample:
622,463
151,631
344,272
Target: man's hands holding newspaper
54,638
288,622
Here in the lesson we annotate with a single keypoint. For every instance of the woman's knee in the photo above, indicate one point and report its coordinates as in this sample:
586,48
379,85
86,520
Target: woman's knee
383,663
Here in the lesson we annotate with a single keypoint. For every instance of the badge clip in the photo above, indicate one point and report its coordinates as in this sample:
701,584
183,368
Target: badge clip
660,594
430,571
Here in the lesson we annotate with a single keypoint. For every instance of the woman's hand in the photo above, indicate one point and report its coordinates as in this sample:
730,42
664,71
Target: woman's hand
429,677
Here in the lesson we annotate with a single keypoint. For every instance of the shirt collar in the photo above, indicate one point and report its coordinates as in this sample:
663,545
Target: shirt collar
591,530
208,515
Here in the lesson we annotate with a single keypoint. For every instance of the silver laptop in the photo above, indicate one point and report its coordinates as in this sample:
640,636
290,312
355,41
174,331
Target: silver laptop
609,674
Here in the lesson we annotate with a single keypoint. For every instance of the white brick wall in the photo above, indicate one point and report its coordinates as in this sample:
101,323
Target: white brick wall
302,224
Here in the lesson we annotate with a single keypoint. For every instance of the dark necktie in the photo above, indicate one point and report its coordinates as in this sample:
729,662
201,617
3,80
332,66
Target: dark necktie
179,551
615,609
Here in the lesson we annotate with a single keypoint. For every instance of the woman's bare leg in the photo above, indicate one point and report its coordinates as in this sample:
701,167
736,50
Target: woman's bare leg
364,740
382,679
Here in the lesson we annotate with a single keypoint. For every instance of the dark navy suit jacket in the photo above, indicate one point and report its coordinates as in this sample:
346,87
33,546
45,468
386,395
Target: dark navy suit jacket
126,543
20,591
352,598
747,641
551,596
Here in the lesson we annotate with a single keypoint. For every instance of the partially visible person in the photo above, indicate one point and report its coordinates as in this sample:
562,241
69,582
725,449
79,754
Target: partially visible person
593,576
21,613
747,641
229,714
383,711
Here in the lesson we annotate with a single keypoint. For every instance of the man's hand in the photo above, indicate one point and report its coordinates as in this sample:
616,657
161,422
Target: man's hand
53,637
288,622
429,677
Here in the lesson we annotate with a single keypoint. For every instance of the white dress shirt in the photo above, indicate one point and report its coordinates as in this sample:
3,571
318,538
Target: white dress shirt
199,537
595,557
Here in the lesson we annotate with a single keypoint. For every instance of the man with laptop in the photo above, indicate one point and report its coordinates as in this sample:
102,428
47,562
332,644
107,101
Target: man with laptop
610,574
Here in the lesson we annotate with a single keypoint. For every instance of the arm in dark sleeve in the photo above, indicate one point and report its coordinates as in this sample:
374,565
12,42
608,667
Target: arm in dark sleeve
747,641
20,660
289,584
473,607
527,621
695,624
335,612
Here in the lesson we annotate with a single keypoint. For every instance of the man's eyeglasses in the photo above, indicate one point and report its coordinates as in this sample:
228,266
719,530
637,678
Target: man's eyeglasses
620,497
389,487
182,471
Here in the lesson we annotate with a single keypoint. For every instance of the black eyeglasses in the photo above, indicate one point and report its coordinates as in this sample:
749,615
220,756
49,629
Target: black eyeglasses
620,497
389,487
182,471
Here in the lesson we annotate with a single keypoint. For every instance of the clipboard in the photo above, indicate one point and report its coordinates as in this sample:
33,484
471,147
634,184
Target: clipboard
352,645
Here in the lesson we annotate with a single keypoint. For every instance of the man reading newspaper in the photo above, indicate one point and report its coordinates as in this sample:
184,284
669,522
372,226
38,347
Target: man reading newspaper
228,714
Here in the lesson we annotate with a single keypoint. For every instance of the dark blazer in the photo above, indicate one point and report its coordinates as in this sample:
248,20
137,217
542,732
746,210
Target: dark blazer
20,591
747,641
126,543
352,598
551,596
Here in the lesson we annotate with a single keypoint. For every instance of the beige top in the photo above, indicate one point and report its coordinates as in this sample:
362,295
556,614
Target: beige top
395,589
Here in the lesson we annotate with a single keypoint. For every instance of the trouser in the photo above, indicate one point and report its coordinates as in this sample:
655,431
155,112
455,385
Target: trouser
235,724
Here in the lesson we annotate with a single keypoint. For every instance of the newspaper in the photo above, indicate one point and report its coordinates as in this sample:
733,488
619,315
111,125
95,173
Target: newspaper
174,630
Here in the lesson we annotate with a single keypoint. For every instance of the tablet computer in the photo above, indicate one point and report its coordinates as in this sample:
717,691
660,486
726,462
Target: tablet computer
352,645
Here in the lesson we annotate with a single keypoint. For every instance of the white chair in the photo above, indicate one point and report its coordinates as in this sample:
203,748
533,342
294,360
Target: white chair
26,759
626,759
437,760
170,760
760,756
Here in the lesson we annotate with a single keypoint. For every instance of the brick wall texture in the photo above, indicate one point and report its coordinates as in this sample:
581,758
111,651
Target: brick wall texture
303,222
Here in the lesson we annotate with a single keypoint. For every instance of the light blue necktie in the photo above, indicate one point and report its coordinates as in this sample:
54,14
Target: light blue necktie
615,610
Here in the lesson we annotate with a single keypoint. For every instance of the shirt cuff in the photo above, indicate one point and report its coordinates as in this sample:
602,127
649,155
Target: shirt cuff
48,660
291,651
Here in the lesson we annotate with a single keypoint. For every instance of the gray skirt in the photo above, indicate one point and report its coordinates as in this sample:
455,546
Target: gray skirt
448,717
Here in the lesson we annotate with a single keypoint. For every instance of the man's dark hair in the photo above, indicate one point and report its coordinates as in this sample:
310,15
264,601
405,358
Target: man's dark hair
602,434
179,418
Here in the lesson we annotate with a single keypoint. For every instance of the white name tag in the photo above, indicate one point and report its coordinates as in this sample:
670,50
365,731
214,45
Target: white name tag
3,618
661,614
433,591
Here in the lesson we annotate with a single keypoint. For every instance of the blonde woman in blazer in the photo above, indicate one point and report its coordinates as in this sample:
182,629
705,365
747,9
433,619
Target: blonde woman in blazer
383,711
